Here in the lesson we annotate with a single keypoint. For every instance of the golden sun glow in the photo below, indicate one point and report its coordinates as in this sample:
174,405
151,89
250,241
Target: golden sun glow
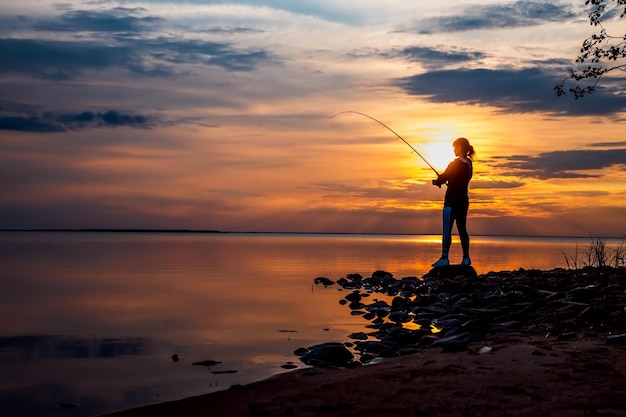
439,154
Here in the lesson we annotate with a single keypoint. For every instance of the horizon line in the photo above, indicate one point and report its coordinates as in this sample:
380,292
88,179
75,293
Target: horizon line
210,231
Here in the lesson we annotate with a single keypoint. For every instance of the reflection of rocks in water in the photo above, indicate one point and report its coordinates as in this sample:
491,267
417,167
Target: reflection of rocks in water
452,307
44,346
289,365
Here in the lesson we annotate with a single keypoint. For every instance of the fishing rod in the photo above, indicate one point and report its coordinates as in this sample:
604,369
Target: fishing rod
392,131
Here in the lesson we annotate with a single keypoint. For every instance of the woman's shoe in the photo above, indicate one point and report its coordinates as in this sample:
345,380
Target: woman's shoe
466,261
442,262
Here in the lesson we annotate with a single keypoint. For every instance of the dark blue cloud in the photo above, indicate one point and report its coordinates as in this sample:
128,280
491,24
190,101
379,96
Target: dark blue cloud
564,164
202,52
64,60
119,44
49,122
51,59
514,14
426,56
114,20
512,90
29,124
433,57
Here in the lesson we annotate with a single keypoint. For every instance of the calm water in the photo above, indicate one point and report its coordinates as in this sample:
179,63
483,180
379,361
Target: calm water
89,321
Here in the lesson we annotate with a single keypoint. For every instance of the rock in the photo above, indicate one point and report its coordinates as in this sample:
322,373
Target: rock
455,341
328,354
453,271
428,339
616,338
379,308
399,316
382,274
358,336
373,347
367,358
354,296
300,351
343,282
206,363
355,305
324,281
449,323
467,307
403,337
354,277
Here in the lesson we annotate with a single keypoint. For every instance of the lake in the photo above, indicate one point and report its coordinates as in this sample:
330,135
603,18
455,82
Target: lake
90,322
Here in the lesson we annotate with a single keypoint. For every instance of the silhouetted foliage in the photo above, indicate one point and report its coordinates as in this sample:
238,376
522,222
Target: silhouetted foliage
602,52
597,255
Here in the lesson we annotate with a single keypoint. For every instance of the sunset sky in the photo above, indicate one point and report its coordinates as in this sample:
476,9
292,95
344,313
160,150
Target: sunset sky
215,115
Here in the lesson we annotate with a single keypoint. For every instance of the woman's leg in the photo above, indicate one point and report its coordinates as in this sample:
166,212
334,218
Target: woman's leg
460,216
446,237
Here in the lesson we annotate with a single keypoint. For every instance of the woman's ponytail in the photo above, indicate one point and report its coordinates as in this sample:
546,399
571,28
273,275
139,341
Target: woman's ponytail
468,150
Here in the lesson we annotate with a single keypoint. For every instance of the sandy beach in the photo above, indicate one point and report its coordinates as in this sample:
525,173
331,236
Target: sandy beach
515,375
564,357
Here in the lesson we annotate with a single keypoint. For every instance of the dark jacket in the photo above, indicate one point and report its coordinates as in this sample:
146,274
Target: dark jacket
457,175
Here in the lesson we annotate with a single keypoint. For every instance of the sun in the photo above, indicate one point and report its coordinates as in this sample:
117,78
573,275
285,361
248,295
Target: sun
438,153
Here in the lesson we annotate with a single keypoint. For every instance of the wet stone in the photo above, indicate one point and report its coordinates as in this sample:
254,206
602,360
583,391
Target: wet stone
353,296
617,338
358,336
327,354
323,281
206,363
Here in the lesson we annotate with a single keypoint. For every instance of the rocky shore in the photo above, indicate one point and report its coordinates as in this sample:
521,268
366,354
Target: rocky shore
452,308
454,343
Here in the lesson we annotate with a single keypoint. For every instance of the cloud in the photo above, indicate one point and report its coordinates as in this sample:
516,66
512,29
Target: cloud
381,191
207,53
65,60
483,184
121,42
435,57
115,20
526,90
564,164
49,122
608,144
59,60
515,14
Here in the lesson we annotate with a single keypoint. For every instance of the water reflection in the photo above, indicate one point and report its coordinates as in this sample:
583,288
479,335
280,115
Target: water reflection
93,320
45,346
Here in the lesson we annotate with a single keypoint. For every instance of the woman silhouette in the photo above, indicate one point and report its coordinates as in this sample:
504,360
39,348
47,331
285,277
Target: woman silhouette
456,202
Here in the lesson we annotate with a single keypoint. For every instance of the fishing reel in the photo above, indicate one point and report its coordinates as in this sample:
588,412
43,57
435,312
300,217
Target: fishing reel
437,184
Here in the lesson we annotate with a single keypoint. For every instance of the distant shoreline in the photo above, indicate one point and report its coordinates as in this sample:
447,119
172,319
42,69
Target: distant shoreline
209,231
100,230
